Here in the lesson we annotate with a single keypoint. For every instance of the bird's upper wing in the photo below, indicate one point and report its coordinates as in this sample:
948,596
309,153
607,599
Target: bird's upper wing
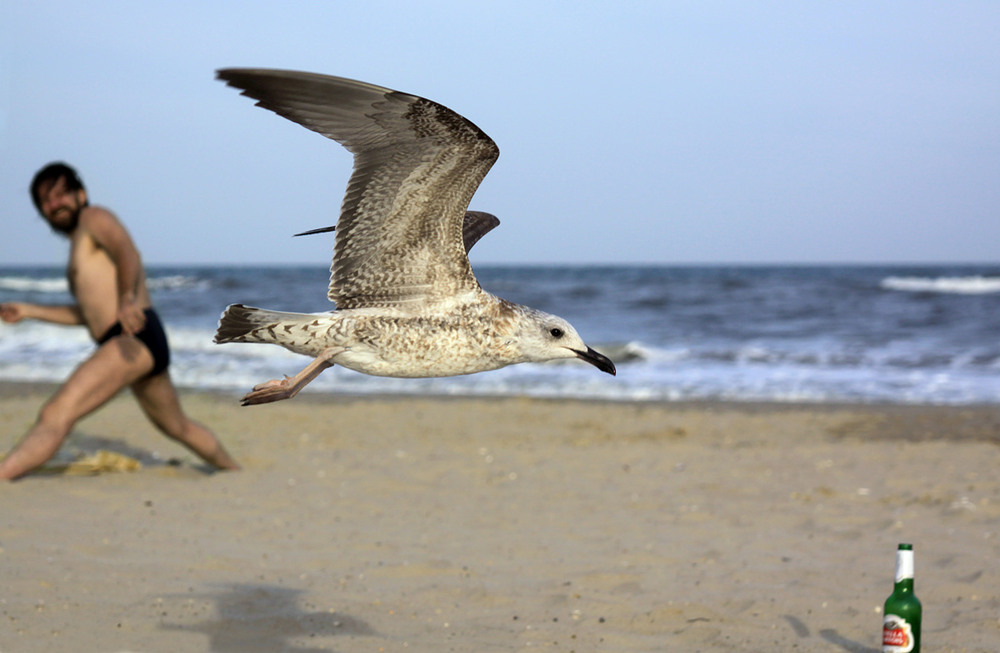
476,225
416,166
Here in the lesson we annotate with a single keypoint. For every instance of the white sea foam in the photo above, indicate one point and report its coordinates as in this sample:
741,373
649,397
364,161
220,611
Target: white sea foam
177,282
29,284
18,283
973,285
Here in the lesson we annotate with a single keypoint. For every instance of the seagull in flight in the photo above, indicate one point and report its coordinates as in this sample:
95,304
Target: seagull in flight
407,301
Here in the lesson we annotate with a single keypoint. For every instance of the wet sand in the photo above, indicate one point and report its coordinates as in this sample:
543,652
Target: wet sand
423,524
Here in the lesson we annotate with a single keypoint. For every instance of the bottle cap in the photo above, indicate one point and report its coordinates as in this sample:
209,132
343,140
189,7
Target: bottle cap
905,547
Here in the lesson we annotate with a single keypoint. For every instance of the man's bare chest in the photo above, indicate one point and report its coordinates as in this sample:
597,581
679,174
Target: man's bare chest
88,265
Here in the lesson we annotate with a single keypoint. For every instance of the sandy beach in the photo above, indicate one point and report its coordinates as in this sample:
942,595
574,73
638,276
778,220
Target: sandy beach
422,524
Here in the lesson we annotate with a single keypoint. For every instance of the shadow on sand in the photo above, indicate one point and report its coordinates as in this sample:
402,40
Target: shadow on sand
830,635
251,617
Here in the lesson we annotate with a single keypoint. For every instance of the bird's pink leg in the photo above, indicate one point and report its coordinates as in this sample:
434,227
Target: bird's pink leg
288,387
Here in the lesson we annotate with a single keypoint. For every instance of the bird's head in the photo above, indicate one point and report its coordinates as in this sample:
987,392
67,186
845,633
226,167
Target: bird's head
546,337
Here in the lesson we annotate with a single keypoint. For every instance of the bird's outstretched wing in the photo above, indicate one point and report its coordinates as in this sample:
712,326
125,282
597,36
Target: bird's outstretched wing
416,166
476,225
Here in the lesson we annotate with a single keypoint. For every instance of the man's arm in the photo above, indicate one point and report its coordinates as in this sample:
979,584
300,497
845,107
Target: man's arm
16,311
110,235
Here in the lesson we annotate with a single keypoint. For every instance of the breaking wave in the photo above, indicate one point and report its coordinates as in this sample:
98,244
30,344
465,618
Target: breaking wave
974,285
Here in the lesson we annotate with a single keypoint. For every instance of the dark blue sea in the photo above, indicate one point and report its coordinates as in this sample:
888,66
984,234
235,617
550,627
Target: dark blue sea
919,334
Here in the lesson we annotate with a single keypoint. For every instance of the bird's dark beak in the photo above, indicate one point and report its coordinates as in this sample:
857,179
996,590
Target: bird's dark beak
600,361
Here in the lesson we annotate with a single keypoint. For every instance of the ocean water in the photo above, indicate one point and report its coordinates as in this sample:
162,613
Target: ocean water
915,334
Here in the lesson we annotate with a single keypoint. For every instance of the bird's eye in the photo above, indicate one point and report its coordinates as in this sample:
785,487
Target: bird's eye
556,332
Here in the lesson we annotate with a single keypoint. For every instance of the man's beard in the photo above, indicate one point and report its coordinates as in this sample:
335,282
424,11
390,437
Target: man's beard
68,226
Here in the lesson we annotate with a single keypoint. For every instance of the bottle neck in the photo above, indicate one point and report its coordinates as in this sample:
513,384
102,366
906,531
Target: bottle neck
904,570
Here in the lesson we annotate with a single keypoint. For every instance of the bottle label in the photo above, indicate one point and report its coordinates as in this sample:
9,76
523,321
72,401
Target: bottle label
897,635
904,565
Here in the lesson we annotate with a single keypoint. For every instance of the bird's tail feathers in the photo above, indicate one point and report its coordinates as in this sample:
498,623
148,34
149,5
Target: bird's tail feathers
241,323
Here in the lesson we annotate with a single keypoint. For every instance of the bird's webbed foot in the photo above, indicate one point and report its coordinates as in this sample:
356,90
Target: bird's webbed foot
288,387
269,391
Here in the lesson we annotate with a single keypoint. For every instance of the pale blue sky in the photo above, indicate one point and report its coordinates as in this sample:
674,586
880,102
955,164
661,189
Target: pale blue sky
659,132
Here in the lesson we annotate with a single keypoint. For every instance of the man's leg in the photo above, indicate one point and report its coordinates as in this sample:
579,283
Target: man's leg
116,364
158,398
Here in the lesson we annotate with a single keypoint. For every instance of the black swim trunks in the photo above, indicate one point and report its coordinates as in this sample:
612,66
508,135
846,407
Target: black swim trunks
152,335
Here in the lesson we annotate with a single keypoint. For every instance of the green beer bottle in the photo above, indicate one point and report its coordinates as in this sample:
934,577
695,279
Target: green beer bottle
901,617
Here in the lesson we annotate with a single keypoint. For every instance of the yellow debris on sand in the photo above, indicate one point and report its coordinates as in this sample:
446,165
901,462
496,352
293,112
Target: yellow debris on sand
99,462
